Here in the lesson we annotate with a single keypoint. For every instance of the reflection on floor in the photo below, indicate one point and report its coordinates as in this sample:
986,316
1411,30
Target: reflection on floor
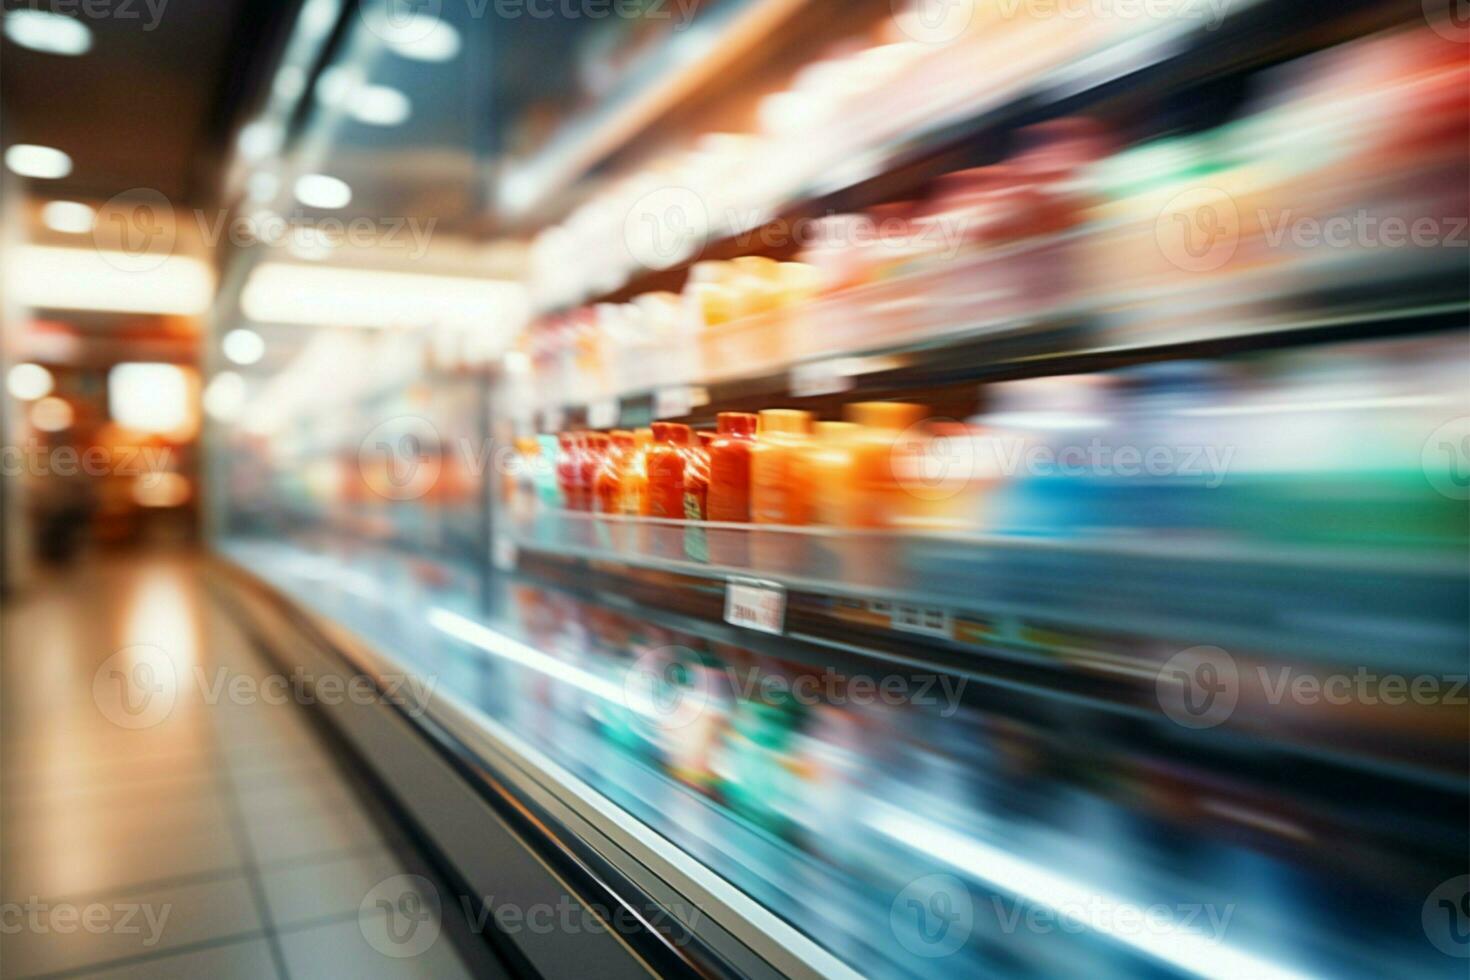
193,822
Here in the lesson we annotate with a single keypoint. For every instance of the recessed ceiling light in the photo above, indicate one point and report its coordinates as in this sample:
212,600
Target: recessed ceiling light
321,191
224,396
42,30
68,217
27,382
40,162
420,37
243,346
379,105
259,139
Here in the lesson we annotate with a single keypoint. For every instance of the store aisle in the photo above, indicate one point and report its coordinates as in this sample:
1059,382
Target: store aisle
165,812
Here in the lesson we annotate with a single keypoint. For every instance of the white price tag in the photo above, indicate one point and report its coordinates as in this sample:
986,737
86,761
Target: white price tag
921,619
820,378
603,413
756,605
673,403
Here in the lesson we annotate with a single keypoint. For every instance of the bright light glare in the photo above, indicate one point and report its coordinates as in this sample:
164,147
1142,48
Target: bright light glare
419,37
149,397
52,415
324,296
51,277
224,396
42,30
473,633
1179,946
38,162
321,191
68,217
379,105
243,346
27,382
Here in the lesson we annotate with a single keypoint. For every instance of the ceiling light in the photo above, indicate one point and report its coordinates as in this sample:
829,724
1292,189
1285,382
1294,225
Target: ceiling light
52,414
420,37
40,162
243,346
259,139
68,217
335,85
321,191
42,30
224,396
149,397
318,17
51,277
27,382
379,105
325,296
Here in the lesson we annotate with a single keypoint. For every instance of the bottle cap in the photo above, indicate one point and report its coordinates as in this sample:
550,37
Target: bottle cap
736,423
597,440
789,420
642,438
886,415
622,438
676,432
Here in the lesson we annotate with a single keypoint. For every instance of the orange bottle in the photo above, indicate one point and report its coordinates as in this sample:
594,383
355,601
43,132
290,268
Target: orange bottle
729,467
779,493
634,483
882,498
608,485
666,461
829,472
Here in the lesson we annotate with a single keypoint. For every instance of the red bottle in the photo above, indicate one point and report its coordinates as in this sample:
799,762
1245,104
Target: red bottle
567,449
729,467
589,461
608,486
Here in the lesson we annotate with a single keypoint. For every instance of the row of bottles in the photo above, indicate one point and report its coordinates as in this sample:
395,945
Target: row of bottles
781,466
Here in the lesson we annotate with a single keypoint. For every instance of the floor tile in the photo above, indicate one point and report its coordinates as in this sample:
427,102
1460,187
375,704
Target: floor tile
248,960
300,893
275,841
342,950
164,919
75,864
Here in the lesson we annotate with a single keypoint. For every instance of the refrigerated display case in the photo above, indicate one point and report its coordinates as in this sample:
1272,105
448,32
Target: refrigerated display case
1138,649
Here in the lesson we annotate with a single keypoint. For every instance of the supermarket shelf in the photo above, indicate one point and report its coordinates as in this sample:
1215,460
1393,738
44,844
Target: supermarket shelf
1063,340
1335,604
1253,34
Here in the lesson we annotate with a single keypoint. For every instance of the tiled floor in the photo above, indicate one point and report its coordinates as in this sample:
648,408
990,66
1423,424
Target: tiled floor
220,837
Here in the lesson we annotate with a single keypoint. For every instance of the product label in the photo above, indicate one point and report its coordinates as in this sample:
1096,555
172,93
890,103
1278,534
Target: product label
756,605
